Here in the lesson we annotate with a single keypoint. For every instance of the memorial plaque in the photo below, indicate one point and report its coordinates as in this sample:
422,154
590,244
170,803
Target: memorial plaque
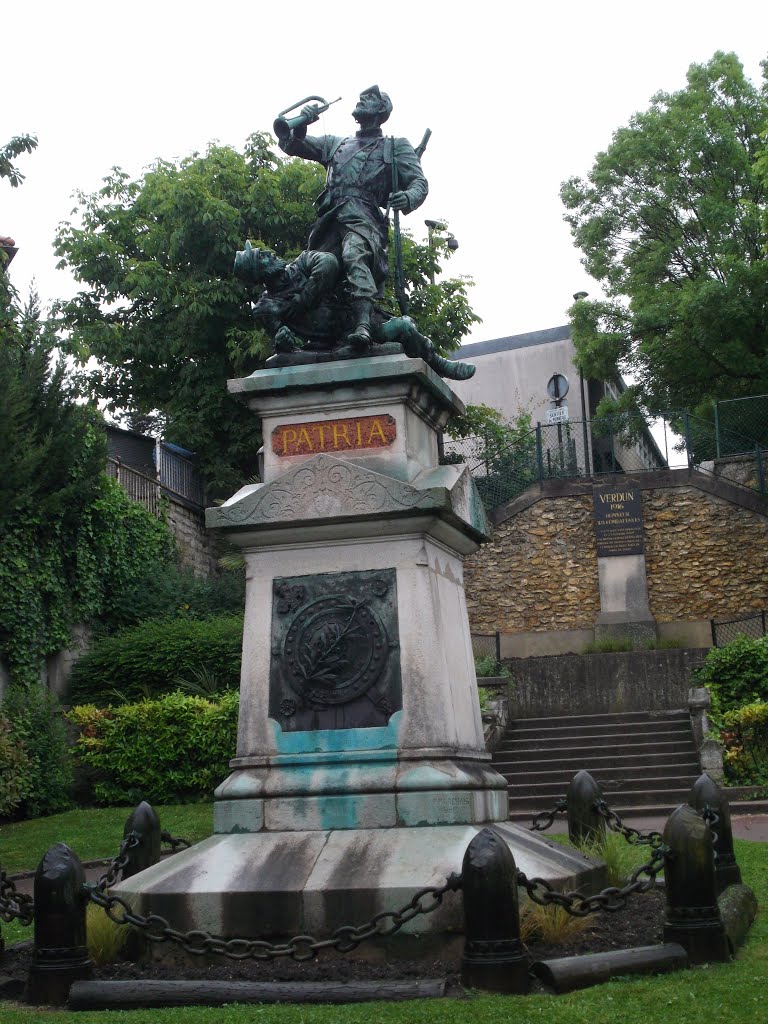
335,651
618,521
342,435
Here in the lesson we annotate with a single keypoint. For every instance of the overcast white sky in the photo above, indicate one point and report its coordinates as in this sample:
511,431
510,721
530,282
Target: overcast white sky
519,98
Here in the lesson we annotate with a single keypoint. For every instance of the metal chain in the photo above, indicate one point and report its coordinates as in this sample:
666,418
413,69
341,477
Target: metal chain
632,835
15,904
300,947
712,818
609,900
176,843
118,863
545,819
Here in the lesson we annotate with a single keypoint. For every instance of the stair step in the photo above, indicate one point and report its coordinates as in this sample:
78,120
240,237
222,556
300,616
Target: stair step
607,718
625,803
603,776
649,729
584,751
612,761
613,786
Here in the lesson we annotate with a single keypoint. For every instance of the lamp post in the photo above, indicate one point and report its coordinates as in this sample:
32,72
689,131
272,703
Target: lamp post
451,241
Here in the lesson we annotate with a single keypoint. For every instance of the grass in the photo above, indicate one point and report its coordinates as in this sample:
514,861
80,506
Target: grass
553,924
92,833
726,993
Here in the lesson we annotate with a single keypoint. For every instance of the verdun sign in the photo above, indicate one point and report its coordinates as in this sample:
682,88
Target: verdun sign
618,521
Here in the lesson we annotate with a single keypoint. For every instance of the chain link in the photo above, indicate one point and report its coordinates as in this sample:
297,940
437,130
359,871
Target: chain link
118,863
545,819
712,818
632,835
176,843
14,904
609,900
300,947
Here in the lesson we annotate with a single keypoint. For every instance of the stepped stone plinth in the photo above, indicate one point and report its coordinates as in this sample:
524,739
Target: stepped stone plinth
360,773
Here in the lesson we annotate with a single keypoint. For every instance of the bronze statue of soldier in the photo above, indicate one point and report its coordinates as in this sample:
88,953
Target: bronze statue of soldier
361,172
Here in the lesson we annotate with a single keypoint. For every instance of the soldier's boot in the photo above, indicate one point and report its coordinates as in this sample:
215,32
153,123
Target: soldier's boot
360,336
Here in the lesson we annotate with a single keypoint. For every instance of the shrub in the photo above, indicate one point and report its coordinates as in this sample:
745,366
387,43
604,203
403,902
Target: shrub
169,750
735,674
745,733
147,659
37,724
15,769
169,591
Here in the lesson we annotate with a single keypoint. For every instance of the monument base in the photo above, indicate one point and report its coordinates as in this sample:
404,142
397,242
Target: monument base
281,884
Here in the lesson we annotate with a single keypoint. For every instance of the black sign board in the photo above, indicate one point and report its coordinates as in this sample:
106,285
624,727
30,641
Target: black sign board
618,520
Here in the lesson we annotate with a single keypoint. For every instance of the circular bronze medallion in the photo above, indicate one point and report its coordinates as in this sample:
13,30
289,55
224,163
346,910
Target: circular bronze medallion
333,650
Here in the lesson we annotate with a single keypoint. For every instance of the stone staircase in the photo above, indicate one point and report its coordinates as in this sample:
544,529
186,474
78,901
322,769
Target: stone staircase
644,761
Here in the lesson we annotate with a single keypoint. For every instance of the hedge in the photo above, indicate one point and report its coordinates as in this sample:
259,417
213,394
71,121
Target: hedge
150,659
171,750
735,674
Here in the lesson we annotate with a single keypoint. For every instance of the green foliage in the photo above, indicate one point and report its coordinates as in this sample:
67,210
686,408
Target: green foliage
174,748
735,674
162,311
620,857
608,646
486,667
148,659
36,723
501,454
15,147
106,938
15,769
745,734
672,222
169,591
71,541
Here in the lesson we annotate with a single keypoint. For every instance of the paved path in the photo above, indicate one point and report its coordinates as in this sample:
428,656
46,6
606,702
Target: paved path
745,826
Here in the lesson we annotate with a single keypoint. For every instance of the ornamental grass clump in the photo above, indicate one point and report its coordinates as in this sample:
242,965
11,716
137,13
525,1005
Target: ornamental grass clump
106,938
551,924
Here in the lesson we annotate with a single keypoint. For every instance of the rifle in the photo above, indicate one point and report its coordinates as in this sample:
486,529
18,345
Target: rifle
402,296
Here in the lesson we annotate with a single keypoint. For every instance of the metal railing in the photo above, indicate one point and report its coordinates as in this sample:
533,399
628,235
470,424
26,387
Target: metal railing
176,478
138,486
606,445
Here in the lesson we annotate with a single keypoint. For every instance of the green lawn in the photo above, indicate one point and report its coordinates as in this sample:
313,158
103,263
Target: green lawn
724,993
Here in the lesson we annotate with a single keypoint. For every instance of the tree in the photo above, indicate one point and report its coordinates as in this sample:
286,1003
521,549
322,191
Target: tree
161,310
18,144
671,221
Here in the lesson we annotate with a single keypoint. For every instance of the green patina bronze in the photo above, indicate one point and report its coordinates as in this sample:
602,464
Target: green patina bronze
324,304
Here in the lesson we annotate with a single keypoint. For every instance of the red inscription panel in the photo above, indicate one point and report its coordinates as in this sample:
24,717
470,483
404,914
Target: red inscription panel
334,435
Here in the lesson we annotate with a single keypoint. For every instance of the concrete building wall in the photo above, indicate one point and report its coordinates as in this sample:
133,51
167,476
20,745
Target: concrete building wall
515,379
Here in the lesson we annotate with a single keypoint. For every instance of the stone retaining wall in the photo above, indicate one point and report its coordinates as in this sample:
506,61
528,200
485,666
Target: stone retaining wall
195,544
706,551
594,684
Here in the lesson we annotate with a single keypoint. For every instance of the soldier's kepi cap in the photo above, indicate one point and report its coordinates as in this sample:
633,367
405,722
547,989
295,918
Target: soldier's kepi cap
384,100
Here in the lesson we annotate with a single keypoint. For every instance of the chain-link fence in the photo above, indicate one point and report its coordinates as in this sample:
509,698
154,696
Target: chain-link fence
726,630
740,425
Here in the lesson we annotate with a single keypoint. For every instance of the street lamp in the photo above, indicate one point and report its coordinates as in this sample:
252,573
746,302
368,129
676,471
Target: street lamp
451,241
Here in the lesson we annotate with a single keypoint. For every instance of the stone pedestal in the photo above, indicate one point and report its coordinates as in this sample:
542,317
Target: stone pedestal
624,610
361,773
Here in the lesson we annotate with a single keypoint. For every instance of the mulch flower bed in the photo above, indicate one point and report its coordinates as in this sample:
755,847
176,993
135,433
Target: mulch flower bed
640,924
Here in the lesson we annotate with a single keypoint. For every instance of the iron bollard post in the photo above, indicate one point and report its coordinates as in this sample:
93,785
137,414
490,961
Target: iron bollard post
145,824
585,823
707,795
60,954
693,917
494,958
